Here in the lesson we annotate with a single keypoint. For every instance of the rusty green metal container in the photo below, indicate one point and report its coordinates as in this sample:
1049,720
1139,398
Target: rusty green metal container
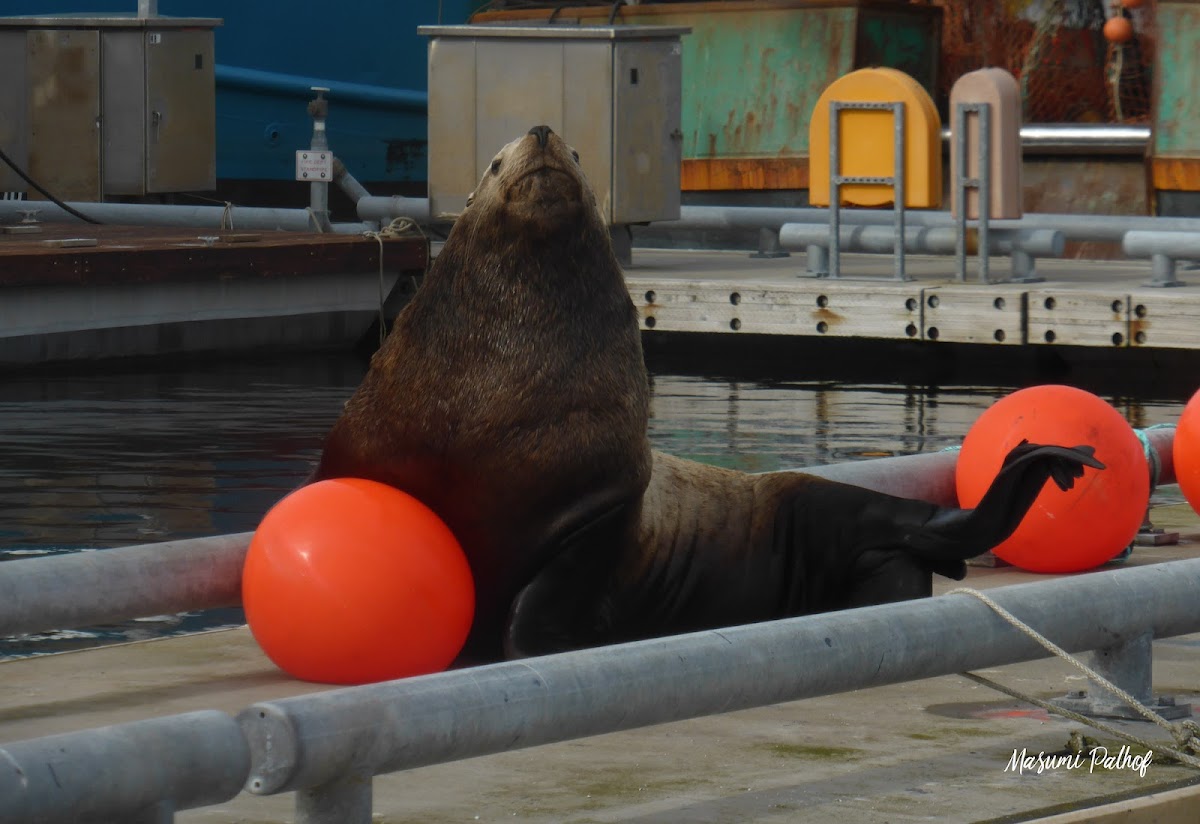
752,72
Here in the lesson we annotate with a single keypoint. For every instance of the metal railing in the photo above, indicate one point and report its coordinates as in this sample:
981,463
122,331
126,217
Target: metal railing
327,746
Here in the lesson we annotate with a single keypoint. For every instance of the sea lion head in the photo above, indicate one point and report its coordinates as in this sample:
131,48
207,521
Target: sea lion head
533,184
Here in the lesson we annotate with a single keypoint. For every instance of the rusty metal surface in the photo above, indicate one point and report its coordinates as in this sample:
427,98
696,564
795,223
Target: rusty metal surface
64,112
1079,185
1176,105
140,254
752,72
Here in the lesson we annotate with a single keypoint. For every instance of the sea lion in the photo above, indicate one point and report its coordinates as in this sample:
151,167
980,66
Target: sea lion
512,398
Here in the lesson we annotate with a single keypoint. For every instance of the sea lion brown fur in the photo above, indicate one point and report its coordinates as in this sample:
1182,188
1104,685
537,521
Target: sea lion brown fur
512,398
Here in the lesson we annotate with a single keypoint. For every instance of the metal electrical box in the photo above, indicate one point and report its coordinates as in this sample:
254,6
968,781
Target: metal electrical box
612,92
108,105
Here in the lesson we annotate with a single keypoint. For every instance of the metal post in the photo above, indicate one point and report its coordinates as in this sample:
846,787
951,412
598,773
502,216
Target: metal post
768,245
835,190
147,8
985,189
1163,269
346,800
898,185
1127,665
895,180
817,260
960,190
982,183
319,189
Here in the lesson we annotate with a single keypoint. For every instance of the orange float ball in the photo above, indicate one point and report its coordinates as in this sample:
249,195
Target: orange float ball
351,581
1118,29
1185,451
1086,525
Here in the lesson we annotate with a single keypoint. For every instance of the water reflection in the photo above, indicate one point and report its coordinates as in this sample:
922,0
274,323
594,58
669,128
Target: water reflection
112,459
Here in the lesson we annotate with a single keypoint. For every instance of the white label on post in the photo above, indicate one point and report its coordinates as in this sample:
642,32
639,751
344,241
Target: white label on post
312,165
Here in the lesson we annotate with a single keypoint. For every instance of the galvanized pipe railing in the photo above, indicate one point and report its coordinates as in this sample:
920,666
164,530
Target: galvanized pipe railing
1023,245
1073,227
199,217
136,773
1164,249
82,589
327,745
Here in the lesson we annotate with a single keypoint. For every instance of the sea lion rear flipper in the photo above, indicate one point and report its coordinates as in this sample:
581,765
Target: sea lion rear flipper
957,534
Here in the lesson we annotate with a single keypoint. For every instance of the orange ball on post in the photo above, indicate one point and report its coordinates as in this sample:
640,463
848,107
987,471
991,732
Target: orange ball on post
350,581
1063,531
1185,452
1118,29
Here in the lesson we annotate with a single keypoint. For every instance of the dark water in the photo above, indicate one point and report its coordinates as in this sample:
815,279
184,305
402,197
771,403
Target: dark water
117,458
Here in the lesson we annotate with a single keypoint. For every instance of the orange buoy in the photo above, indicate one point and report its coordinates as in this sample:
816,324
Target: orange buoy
1118,29
1086,525
1185,451
350,581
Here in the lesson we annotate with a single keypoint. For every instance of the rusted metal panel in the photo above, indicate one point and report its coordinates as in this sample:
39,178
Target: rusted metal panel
702,173
901,38
126,254
1175,173
1176,106
64,112
181,111
752,72
14,109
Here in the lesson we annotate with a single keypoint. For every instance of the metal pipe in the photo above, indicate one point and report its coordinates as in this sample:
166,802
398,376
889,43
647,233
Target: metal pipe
295,85
1140,243
384,209
347,182
882,239
1073,227
1079,139
199,217
88,588
318,202
140,771
313,740
82,589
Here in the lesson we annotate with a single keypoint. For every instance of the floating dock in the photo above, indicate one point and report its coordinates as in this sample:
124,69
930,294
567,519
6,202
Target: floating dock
1096,304
76,292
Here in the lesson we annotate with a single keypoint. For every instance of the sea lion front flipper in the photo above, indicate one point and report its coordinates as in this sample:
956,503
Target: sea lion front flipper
564,605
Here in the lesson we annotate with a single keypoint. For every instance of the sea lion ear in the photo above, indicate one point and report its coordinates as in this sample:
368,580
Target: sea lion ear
470,199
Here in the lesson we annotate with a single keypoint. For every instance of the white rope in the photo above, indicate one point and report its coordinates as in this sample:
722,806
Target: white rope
1186,733
399,227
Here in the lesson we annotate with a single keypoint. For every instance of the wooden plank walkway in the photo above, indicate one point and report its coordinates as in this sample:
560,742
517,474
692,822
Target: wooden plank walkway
1099,304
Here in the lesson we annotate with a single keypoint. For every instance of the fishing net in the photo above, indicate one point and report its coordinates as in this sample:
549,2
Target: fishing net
1068,71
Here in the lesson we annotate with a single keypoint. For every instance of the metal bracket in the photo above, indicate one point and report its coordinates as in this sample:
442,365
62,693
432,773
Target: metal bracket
836,180
1128,666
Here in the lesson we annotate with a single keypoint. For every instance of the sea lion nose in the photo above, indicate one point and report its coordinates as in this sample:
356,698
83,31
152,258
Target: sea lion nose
542,133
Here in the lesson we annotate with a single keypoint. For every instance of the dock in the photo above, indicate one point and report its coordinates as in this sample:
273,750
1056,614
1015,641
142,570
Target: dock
1077,303
938,748
76,292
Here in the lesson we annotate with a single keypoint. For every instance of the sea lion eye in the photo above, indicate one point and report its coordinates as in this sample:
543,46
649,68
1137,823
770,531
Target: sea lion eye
575,155
496,166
